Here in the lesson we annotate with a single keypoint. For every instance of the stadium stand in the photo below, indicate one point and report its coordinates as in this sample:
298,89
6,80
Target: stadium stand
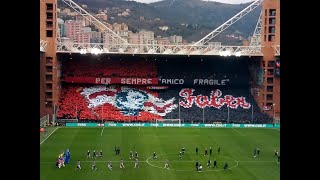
109,68
89,102
195,114
73,105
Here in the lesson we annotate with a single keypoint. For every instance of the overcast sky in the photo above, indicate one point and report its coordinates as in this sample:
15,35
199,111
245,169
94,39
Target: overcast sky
223,1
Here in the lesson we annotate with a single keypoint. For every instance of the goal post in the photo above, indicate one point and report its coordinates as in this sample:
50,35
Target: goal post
44,121
169,121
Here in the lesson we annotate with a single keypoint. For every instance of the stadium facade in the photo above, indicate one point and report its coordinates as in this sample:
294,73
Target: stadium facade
211,88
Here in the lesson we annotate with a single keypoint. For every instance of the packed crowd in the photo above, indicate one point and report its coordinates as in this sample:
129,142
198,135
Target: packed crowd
211,114
145,105
74,105
109,68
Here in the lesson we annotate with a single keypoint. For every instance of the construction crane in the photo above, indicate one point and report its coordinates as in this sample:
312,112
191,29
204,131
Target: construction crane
256,37
228,23
102,27
43,45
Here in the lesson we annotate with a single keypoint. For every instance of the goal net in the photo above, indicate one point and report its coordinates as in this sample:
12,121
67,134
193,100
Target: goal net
44,121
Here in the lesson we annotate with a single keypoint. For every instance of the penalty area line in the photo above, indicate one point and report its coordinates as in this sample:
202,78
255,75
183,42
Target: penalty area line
49,135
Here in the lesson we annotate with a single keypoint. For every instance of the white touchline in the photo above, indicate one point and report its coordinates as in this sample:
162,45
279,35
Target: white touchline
257,161
49,135
238,132
102,131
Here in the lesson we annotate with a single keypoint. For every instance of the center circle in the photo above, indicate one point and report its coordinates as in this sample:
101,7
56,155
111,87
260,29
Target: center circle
175,162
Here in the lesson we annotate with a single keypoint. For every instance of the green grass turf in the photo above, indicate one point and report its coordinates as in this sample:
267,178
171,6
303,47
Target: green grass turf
43,136
237,147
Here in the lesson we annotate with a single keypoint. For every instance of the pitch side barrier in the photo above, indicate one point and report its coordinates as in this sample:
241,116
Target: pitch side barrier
172,125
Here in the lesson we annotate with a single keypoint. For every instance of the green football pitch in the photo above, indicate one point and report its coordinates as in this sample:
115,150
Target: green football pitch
237,146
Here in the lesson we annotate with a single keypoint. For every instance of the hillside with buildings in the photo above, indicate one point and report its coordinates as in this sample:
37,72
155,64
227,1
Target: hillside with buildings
167,22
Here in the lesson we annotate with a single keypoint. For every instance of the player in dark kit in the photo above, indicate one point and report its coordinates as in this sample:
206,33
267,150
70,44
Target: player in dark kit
210,150
214,163
197,165
206,152
209,163
275,153
88,154
197,150
131,154
218,150
100,155
225,167
78,165
279,158
94,154
154,156
258,151
183,150
118,150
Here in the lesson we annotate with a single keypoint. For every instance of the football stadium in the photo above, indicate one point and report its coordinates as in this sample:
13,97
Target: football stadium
122,110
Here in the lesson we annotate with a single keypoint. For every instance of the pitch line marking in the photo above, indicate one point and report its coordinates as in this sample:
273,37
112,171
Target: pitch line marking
92,161
147,161
238,132
44,162
102,131
256,161
49,135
